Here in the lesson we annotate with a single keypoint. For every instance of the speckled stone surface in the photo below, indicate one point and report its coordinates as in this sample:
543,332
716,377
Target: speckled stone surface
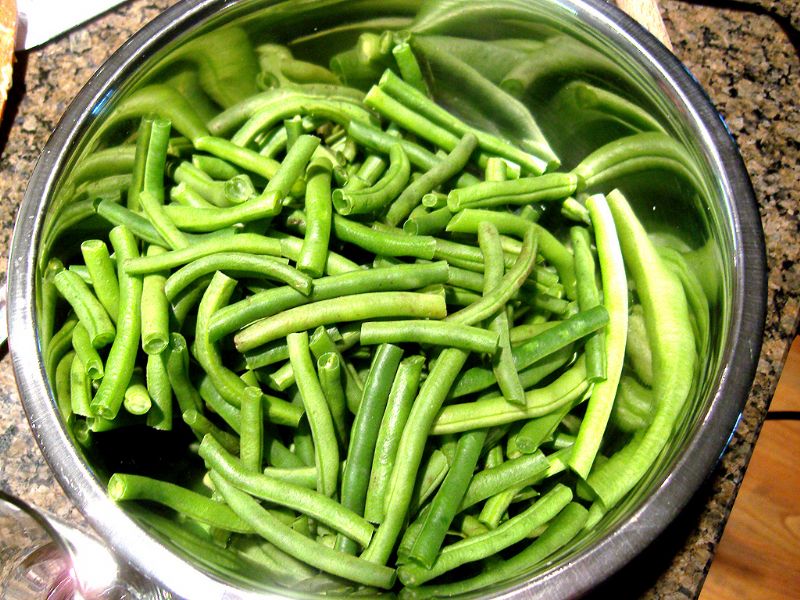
748,65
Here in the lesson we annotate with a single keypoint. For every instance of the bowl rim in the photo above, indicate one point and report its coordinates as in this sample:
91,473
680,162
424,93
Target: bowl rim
591,565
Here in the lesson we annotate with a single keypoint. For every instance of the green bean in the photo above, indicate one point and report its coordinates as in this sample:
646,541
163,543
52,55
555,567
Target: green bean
495,299
503,366
186,196
138,225
59,344
552,250
538,430
317,413
414,100
445,503
285,493
338,111
401,396
80,389
481,546
122,356
86,305
560,531
279,455
409,67
427,223
440,173
381,141
431,474
364,433
86,352
236,263
159,389
411,447
102,163
155,309
551,186
572,209
588,297
314,252
297,545
513,473
216,168
369,305
329,372
201,427
213,192
495,507
136,399
62,384
382,242
494,410
244,242
177,365
292,167
653,150
321,343
438,333
204,219
336,264
695,295
368,173
104,277
381,193
251,445
282,378
633,406
225,381
669,330
126,487
615,300
217,404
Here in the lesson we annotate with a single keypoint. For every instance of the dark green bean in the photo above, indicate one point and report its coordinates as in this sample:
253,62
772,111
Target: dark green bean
364,433
445,503
411,448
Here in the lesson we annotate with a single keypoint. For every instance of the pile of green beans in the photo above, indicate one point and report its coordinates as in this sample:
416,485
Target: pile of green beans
391,342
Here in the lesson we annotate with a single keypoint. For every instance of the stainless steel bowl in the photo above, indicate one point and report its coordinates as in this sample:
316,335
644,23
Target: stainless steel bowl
721,223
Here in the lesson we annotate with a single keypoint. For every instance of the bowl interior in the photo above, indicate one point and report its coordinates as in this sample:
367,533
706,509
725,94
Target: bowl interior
208,49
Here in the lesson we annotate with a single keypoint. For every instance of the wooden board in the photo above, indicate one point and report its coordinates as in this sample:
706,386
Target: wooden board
647,13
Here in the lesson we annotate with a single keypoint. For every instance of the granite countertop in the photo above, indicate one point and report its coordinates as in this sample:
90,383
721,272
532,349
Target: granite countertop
744,53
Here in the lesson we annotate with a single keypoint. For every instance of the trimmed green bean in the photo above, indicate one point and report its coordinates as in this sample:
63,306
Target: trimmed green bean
522,191
439,333
236,263
329,372
126,487
160,391
86,352
80,389
368,306
503,366
251,418
513,473
409,67
155,309
122,356
445,503
317,413
90,311
589,297
481,546
494,410
245,242
377,196
446,169
615,300
284,492
103,274
136,399
411,448
401,396
297,545
364,432
314,252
